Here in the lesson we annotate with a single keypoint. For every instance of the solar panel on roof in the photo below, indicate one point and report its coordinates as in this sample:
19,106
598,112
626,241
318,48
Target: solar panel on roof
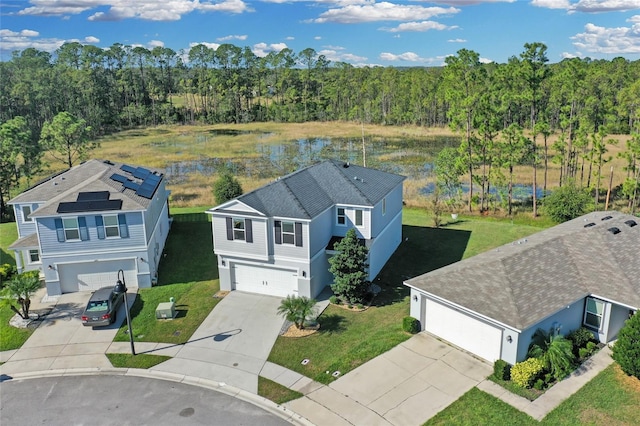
141,173
89,206
131,185
128,168
149,186
119,178
93,196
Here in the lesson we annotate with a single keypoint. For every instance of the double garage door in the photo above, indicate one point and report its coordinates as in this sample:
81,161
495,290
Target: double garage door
470,334
93,275
271,281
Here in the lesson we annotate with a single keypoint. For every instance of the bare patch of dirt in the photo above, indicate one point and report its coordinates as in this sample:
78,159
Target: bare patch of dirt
629,382
220,294
293,331
597,417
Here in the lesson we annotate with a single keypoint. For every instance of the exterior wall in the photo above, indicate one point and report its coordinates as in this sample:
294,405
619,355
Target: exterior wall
24,227
258,249
320,275
385,244
363,231
24,264
509,351
289,250
320,231
49,244
394,206
156,209
157,240
618,315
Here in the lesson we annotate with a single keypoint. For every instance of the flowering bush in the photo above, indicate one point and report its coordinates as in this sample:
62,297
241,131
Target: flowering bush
524,373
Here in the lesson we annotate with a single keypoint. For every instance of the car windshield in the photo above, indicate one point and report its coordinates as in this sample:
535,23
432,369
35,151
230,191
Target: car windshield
98,305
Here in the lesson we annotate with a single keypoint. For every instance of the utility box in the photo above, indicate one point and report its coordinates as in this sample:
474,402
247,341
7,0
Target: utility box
166,310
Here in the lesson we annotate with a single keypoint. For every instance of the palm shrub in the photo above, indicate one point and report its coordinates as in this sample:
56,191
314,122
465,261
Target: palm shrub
554,350
297,309
20,288
626,351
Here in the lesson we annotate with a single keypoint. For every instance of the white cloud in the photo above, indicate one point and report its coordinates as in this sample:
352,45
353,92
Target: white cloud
589,6
317,38
262,49
635,19
289,38
552,4
91,39
469,2
405,57
456,40
232,37
567,55
485,60
383,11
19,40
418,27
604,40
155,43
151,10
213,46
337,55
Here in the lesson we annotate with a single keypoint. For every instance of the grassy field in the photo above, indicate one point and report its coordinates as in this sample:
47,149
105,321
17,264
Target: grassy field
136,361
611,398
8,234
347,339
276,392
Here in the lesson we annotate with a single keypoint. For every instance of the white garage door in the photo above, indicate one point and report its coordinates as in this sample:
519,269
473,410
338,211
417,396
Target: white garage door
93,275
463,331
275,282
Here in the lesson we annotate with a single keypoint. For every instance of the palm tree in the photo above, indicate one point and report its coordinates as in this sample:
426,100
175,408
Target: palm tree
297,309
554,350
21,288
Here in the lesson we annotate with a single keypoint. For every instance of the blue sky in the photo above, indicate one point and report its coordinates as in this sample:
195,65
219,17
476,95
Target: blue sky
360,32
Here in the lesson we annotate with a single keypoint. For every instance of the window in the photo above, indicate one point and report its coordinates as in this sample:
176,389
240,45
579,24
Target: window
71,229
238,229
288,233
358,217
26,211
384,206
342,217
34,256
593,313
111,226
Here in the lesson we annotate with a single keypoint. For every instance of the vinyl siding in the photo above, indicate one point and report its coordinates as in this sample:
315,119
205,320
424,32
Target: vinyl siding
257,249
320,231
394,205
24,228
290,250
363,231
155,209
49,243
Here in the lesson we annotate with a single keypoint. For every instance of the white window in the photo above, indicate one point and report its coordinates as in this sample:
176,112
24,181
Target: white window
342,216
71,230
111,226
34,256
288,233
359,218
238,229
384,206
26,211
593,313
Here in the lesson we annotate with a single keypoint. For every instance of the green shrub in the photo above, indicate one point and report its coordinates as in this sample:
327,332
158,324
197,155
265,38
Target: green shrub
360,306
502,370
580,337
334,299
592,346
524,373
626,351
548,378
7,271
583,353
410,325
539,384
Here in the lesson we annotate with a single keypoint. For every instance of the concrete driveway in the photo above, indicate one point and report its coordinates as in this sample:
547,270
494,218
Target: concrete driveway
405,386
232,344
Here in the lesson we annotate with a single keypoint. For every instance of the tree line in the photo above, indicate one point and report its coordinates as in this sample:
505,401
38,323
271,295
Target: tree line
504,112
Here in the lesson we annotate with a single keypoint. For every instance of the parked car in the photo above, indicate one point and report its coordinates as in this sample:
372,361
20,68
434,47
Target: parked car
102,307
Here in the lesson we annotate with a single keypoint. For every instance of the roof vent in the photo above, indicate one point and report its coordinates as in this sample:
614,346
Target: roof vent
630,223
346,165
589,225
607,218
614,230
108,162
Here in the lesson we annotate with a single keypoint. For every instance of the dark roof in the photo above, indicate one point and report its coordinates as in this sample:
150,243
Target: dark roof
523,282
308,192
90,187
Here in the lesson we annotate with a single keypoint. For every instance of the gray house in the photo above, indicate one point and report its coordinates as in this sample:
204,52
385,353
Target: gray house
585,272
277,239
79,227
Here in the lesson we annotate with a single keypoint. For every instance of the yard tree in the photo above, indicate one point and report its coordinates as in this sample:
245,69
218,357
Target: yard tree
21,287
448,168
297,309
626,351
554,350
348,267
67,138
226,188
566,202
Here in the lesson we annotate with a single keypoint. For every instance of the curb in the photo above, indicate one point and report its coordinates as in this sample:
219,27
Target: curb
267,405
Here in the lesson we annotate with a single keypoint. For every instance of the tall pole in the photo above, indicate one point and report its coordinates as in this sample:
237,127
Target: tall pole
123,285
606,204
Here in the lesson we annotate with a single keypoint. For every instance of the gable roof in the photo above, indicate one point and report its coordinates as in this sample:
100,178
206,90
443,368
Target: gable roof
60,192
308,192
521,283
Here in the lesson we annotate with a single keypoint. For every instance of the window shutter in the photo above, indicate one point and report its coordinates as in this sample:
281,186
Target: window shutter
278,228
59,230
248,231
100,227
298,230
84,231
122,220
229,229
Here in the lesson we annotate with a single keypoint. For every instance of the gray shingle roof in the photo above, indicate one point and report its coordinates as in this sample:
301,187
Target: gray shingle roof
523,282
308,192
90,176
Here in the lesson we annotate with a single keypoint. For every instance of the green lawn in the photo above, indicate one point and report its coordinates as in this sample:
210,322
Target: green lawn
275,391
348,339
136,361
189,274
8,234
611,398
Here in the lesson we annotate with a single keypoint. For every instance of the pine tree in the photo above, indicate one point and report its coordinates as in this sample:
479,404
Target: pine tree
349,269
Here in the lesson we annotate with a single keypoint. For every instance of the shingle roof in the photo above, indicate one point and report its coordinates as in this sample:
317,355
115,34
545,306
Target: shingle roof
523,282
310,191
90,176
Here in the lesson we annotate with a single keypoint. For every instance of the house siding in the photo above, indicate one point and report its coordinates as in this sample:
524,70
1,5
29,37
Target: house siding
50,245
289,250
320,231
394,206
155,210
384,245
257,249
24,228
618,316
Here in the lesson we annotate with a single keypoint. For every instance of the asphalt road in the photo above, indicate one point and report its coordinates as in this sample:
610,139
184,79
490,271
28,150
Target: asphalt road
120,400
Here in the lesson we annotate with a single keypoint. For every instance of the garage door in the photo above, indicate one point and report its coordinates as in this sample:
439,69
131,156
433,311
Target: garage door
463,331
93,275
275,282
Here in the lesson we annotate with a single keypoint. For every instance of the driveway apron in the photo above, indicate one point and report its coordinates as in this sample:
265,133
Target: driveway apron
232,344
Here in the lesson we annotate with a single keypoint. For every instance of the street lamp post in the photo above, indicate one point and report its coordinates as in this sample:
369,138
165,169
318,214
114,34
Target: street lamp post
121,287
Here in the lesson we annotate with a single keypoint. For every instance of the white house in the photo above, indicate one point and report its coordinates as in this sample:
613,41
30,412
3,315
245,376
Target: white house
585,272
277,239
81,226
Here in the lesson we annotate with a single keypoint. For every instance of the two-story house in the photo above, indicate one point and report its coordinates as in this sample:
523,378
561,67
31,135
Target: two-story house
81,226
277,239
